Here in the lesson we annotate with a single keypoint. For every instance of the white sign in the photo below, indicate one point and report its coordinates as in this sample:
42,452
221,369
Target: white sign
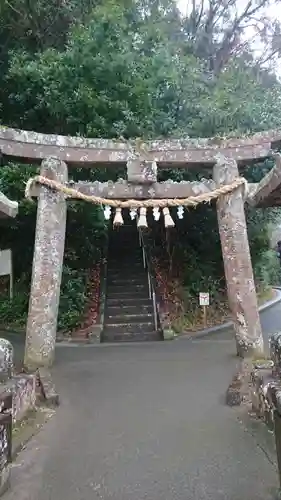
6,267
5,262
204,299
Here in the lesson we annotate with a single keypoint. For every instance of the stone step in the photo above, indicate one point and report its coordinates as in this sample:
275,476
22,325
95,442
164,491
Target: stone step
126,245
129,327
126,288
126,272
120,280
125,234
128,301
127,264
129,247
128,310
130,337
128,319
117,244
138,284
125,277
127,294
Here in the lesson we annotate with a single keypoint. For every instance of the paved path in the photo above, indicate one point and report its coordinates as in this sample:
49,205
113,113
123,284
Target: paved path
145,422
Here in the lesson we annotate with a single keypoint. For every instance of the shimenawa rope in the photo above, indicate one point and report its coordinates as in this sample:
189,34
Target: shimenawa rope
191,201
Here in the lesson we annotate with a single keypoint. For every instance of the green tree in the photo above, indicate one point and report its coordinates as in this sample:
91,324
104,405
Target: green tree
110,80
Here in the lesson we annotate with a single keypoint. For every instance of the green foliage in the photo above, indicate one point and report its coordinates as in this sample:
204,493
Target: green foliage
121,73
267,268
18,234
192,253
239,102
109,81
85,224
73,298
14,312
86,236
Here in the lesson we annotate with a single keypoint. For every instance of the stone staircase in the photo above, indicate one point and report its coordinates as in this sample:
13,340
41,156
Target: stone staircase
128,309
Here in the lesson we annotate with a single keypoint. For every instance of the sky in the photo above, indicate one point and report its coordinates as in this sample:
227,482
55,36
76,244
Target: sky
183,5
271,11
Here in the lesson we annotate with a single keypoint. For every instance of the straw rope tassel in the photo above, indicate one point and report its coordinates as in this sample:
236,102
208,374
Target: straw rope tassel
168,221
118,218
142,222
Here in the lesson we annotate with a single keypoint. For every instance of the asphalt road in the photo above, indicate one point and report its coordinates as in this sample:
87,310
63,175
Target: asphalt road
145,422
271,321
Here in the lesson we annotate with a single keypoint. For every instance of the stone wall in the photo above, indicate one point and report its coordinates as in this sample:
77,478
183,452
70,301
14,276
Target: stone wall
17,398
266,383
23,388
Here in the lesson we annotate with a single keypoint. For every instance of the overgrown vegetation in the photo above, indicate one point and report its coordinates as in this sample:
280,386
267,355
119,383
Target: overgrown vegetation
189,261
86,238
134,68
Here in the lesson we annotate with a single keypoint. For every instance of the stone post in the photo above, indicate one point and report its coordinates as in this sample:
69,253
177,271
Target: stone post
6,360
237,262
47,269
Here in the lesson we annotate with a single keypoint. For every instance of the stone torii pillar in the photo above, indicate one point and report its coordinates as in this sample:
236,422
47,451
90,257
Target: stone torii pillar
237,262
47,269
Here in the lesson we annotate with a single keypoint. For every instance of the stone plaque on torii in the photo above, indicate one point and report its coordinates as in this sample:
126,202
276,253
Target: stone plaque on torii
141,189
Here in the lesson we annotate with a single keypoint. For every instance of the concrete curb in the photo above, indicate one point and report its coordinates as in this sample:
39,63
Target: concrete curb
229,324
29,427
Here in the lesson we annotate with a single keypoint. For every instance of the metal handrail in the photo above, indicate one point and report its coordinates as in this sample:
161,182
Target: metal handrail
151,285
155,310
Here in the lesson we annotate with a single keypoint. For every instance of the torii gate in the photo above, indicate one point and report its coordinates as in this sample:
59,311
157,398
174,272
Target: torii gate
224,156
